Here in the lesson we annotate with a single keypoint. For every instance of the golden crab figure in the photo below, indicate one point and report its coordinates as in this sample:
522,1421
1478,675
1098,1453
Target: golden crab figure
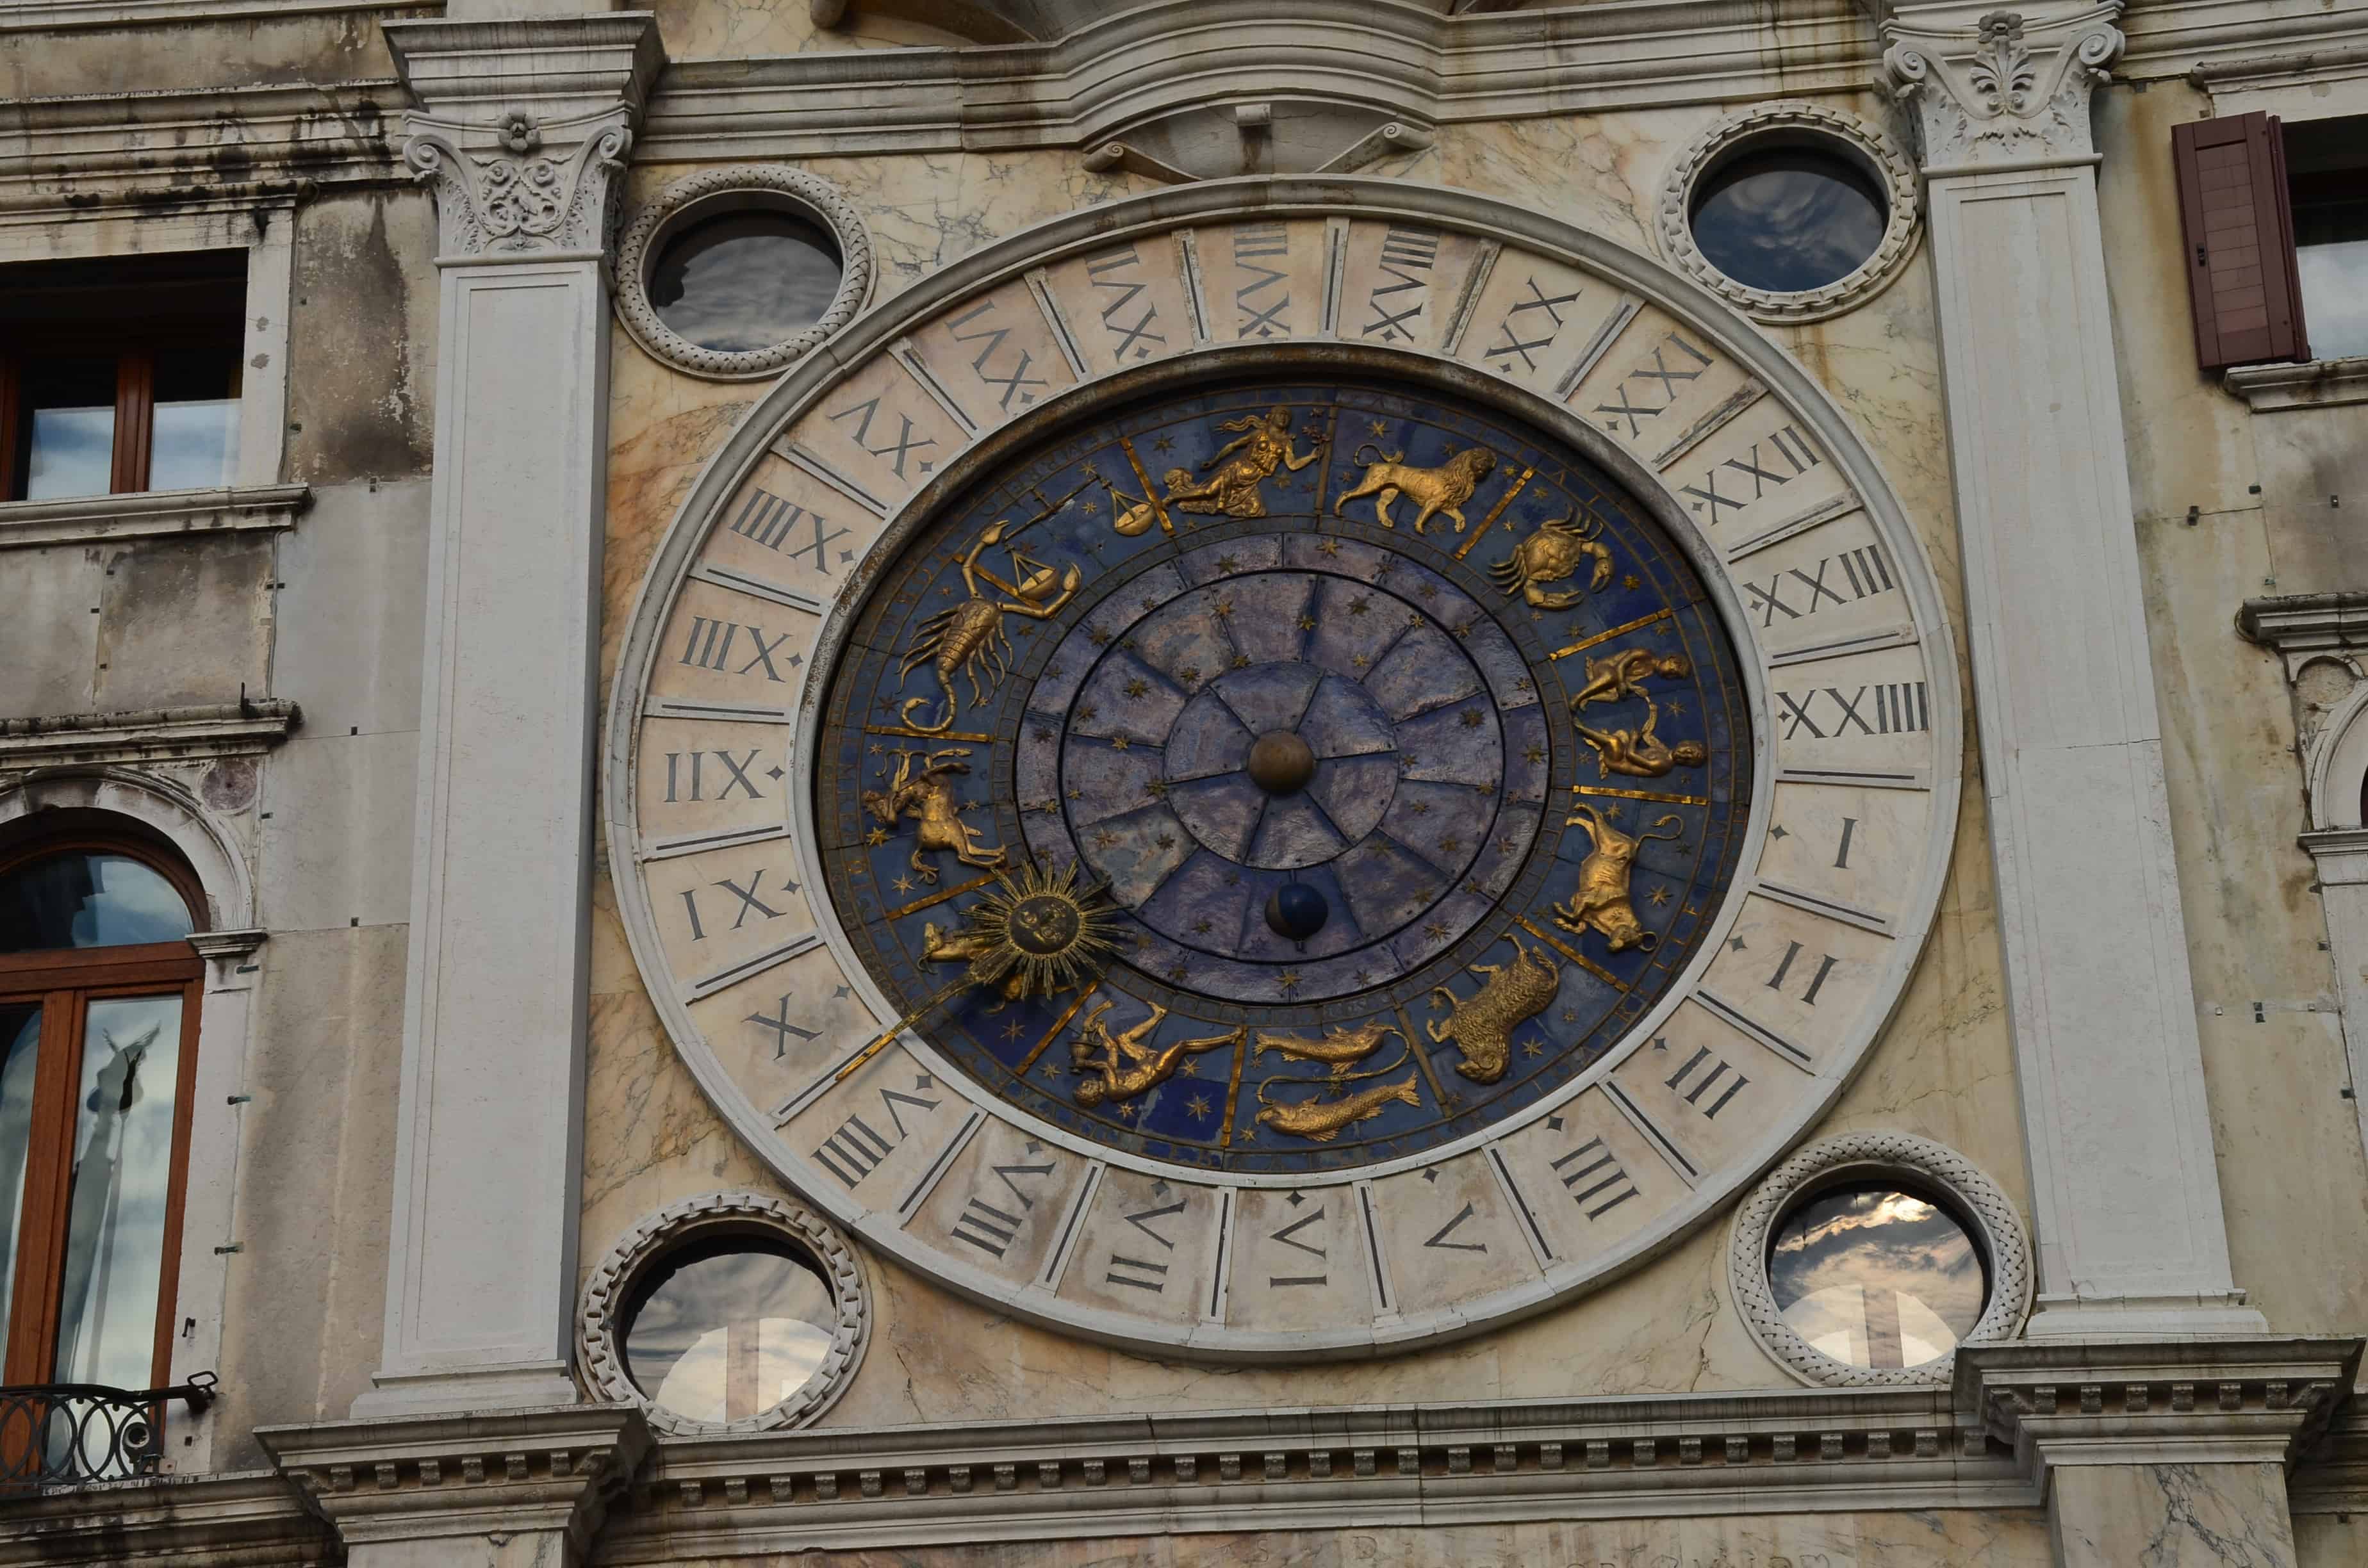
1037,932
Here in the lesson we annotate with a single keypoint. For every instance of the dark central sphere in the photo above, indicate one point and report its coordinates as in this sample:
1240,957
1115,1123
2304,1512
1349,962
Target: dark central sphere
1281,762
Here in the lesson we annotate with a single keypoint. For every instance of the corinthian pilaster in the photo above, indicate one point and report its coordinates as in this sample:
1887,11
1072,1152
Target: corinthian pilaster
522,127
2009,90
2126,1194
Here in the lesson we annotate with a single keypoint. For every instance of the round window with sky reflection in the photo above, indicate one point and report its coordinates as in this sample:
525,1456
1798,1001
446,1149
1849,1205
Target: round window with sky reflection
724,1330
745,281
1876,1275
1788,217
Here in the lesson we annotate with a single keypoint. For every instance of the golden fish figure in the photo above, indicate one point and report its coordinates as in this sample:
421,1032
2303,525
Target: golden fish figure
1126,1067
1602,902
1438,492
1639,752
928,798
1233,488
970,636
1616,677
1552,554
1320,1120
1482,1025
1339,1049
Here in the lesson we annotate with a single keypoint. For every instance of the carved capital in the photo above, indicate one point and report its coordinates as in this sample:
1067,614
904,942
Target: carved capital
516,186
523,126
2010,91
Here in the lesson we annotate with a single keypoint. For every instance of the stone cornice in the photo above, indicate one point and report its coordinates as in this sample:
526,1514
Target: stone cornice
2300,626
1402,60
248,727
149,514
524,127
2319,383
245,1519
211,149
2176,1402
441,1476
65,15
1291,1468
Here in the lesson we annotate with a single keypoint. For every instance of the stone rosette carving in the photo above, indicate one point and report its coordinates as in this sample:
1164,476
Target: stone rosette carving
1792,123
1878,1156
711,193
601,1326
2013,90
520,187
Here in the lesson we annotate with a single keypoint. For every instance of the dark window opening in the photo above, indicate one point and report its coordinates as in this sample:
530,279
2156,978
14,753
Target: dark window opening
2326,179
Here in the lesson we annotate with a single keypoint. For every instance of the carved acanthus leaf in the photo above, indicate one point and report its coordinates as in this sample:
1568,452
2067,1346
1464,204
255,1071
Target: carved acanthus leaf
2009,90
516,186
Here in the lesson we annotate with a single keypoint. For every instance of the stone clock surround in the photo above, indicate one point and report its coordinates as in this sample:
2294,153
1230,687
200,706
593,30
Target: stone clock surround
887,338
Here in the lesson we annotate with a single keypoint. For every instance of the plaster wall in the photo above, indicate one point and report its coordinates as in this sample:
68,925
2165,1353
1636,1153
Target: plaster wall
186,54
1943,1070
2230,503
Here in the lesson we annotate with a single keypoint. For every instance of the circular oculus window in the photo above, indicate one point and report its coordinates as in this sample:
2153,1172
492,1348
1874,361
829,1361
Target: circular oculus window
734,1312
1868,1259
734,273
1793,212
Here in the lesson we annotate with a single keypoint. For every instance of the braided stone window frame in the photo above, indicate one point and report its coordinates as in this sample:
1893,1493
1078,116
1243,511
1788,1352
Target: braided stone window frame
712,193
601,1326
1792,123
1917,1163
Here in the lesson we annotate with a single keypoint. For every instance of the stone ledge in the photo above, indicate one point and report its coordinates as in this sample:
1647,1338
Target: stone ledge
2060,1402
150,514
424,1478
63,16
2317,383
244,1519
248,727
2300,627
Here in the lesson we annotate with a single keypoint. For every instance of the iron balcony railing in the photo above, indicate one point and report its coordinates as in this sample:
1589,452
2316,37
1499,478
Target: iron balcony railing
76,1434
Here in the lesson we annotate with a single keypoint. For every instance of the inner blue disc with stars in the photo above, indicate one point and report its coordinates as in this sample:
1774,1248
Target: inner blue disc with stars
1409,749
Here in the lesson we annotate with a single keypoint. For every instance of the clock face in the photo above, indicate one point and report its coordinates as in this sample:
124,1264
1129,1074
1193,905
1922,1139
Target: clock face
1282,782
1401,821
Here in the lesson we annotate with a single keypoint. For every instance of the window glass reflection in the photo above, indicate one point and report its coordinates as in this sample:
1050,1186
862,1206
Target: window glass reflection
1788,219
119,1192
726,1332
88,901
193,442
2327,163
69,430
745,281
1877,1278
20,1037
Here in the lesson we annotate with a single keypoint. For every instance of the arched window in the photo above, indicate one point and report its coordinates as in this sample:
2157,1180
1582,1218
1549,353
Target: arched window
98,1030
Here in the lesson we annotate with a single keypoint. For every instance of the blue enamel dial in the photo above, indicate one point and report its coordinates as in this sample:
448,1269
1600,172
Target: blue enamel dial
1410,752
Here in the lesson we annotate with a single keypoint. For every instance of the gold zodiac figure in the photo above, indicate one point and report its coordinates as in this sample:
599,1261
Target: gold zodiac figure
1320,1120
1482,1025
1233,488
967,944
1440,492
1339,1049
1622,675
1601,901
970,636
1551,554
1639,752
1126,1066
928,798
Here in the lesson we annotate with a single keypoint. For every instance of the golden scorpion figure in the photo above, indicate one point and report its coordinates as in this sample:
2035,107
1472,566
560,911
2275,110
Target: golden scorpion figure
970,636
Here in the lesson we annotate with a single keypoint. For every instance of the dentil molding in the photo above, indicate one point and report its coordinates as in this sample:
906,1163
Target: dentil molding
2008,92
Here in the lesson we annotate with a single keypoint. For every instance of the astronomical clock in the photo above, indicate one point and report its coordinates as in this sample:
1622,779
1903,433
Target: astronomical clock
1283,769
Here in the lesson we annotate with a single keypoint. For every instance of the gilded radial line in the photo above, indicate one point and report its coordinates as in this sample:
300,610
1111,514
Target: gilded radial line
1150,491
1585,642
1422,1059
1055,1032
1233,1090
893,1030
1654,795
911,734
1494,512
1573,954
936,898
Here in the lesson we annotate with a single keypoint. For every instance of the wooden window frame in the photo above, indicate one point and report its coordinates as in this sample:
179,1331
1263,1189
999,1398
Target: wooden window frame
134,346
63,982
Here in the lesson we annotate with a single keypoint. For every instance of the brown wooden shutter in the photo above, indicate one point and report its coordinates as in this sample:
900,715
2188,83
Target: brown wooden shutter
2239,229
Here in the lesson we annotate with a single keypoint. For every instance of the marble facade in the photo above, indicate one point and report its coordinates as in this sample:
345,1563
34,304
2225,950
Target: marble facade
2236,786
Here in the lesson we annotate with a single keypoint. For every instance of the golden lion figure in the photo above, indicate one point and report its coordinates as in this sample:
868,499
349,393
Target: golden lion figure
1440,492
